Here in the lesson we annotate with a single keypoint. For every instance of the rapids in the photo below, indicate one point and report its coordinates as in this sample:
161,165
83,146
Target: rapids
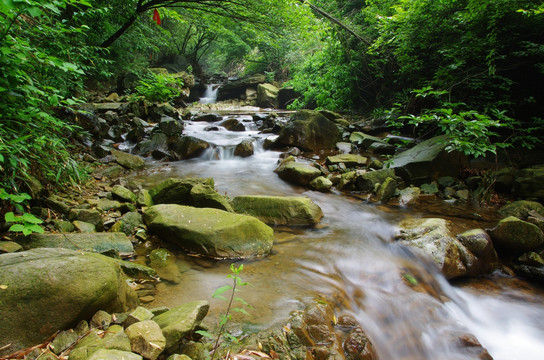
351,258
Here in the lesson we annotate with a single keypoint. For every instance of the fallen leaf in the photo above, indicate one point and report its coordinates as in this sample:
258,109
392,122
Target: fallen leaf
274,354
3,287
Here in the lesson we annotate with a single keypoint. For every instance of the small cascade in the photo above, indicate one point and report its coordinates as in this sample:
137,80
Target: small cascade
210,95
218,153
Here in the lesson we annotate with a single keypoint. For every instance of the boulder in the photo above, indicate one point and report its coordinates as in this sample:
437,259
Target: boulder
350,160
144,198
204,196
157,142
278,210
123,194
94,242
170,126
180,321
188,147
244,149
387,189
529,183
210,232
137,315
286,96
129,161
364,141
409,195
233,125
514,236
107,204
51,289
427,161
298,173
236,88
522,209
146,339
207,118
267,96
433,239
369,180
321,183
309,131
177,190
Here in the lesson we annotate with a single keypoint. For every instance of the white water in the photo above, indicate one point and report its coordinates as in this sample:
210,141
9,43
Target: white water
210,95
350,257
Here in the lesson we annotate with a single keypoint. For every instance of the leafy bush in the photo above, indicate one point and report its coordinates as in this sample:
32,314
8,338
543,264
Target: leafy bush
26,222
159,87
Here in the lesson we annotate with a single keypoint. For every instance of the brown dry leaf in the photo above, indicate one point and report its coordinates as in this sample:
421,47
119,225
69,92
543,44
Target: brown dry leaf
274,354
3,287
256,353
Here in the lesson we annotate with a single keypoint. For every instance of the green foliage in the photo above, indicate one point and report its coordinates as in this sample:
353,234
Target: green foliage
159,87
25,223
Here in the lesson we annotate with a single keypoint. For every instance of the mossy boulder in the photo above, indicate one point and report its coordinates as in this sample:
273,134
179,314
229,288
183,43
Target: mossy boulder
298,173
210,232
350,160
321,183
198,192
522,209
188,147
309,131
267,96
180,321
90,216
123,194
277,210
369,180
94,242
428,161
129,161
529,183
513,236
128,223
51,289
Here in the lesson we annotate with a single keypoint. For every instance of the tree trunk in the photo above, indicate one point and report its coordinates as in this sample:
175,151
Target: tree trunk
119,32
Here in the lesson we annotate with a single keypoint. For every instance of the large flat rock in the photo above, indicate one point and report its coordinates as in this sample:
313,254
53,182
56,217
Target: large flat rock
95,242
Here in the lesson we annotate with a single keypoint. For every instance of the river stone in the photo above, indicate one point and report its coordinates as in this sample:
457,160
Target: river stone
58,204
522,209
369,180
267,96
188,147
132,162
364,140
51,289
233,125
164,263
309,131
157,142
144,198
128,223
204,196
482,257
63,341
106,354
178,357
244,149
177,191
146,339
210,232
95,242
101,319
179,321
278,210
350,160
9,247
321,183
84,227
137,315
114,338
427,161
515,236
387,189
91,216
107,204
298,173
135,270
409,195
433,238
207,117
123,194
529,183
170,126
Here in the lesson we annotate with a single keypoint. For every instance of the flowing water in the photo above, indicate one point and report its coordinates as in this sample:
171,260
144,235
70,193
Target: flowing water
352,259
210,95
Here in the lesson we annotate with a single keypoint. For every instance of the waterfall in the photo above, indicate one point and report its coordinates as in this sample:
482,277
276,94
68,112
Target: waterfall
210,95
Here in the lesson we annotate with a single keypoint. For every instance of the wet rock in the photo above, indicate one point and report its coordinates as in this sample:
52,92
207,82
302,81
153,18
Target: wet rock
277,210
157,142
180,322
350,160
427,161
235,88
96,242
431,188
387,189
298,173
207,118
129,161
531,259
188,147
310,131
382,148
205,196
409,195
83,227
74,283
136,270
244,149
522,209
267,96
433,239
210,232
286,96
123,194
146,339
233,125
128,223
514,236
177,190
164,263
170,126
529,183
364,141
9,247
368,181
321,183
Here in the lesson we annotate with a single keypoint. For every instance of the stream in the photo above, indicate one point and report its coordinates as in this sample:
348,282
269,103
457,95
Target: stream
350,257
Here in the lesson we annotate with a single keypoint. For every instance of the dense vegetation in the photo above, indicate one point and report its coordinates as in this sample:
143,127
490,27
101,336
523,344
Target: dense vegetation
471,68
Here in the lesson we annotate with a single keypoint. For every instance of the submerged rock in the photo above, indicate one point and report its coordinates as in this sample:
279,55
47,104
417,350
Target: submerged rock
277,210
210,232
51,289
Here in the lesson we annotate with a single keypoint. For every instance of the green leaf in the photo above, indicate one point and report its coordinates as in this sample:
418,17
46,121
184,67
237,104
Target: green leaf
34,228
220,291
34,11
412,280
10,217
17,228
243,311
204,333
31,219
